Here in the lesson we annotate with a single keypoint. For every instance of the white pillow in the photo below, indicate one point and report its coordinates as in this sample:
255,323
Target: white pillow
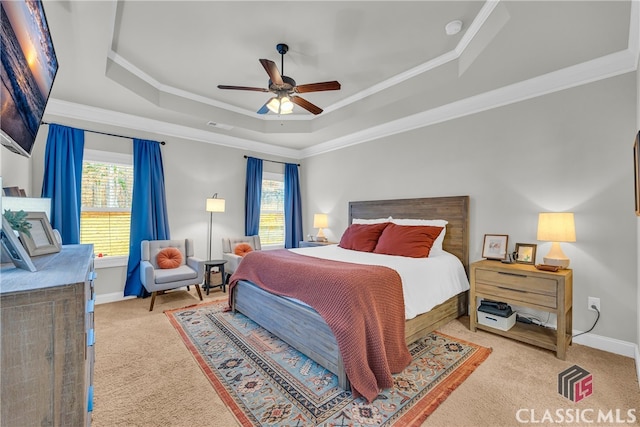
436,249
370,221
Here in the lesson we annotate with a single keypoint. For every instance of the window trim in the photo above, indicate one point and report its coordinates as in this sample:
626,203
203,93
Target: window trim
107,157
110,261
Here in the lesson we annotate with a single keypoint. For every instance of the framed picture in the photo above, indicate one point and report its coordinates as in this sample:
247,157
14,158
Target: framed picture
636,172
495,246
13,248
526,253
12,191
42,240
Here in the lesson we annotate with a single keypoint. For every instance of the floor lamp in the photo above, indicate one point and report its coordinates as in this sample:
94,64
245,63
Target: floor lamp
213,205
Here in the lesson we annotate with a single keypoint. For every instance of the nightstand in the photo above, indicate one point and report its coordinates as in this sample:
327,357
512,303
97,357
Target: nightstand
525,286
307,244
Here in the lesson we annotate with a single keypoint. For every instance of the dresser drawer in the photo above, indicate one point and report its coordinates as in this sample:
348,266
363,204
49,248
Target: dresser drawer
519,287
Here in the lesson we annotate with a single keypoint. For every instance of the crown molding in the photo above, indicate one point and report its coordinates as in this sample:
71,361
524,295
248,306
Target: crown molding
103,116
452,55
577,75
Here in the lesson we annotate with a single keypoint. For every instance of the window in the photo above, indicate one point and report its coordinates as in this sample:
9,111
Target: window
107,189
272,210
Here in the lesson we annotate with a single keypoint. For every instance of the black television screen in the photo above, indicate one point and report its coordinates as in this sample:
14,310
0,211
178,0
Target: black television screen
28,69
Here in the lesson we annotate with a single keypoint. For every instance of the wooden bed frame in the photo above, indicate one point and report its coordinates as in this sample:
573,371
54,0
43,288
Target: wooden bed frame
304,329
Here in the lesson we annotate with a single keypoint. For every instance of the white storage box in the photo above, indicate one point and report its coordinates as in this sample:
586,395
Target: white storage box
502,323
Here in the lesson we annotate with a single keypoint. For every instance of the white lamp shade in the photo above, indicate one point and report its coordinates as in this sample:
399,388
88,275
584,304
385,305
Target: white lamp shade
281,105
215,205
556,227
286,106
320,221
273,105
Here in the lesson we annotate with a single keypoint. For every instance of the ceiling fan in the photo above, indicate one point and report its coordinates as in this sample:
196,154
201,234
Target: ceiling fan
284,88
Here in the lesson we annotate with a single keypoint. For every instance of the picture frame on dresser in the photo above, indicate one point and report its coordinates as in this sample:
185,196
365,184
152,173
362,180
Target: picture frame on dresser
41,240
526,253
12,247
495,246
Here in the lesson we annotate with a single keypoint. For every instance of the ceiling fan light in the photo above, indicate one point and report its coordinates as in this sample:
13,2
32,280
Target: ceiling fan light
273,105
286,106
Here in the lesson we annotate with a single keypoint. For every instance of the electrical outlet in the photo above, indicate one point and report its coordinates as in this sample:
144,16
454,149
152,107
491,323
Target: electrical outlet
593,301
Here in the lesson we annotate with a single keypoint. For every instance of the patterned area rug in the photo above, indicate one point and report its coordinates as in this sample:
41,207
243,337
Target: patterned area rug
265,382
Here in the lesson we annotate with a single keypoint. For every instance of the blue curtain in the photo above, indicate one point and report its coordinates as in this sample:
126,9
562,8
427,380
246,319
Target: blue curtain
63,179
253,194
149,219
292,207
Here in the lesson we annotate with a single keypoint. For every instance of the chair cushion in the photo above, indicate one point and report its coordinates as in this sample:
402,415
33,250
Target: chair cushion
183,272
242,249
169,258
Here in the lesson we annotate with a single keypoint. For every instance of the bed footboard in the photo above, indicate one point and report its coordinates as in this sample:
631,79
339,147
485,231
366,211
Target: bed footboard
305,330
298,325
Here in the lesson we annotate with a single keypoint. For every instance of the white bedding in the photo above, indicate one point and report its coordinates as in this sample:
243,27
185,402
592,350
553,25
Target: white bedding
426,282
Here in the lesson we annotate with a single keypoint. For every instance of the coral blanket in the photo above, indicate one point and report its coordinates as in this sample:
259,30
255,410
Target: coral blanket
362,304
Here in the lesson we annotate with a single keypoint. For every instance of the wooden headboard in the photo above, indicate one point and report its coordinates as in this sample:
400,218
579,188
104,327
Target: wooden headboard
454,209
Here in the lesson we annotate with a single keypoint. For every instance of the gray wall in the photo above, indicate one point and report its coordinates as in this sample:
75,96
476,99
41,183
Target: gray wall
567,151
564,151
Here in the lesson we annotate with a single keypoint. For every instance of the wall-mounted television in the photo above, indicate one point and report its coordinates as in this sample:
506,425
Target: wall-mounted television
28,69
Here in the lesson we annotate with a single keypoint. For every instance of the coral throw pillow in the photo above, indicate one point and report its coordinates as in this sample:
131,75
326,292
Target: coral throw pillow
407,240
362,237
169,258
242,249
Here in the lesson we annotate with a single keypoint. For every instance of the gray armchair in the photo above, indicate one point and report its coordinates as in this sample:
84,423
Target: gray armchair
228,247
156,279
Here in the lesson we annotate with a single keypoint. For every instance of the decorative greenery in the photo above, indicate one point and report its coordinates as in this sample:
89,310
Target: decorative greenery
18,221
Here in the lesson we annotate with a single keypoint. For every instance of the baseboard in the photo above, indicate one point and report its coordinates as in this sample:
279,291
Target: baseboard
612,345
638,363
112,297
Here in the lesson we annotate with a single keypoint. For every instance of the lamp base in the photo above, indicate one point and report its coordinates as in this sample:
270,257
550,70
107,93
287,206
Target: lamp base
556,256
320,237
562,263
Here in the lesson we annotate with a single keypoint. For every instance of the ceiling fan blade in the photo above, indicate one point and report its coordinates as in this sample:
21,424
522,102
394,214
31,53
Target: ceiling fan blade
264,109
255,89
314,109
271,69
317,87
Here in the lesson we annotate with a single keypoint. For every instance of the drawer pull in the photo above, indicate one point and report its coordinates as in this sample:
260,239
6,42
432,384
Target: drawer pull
513,289
512,274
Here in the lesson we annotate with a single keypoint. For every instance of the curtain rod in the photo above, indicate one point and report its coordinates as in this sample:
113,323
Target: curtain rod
102,133
272,161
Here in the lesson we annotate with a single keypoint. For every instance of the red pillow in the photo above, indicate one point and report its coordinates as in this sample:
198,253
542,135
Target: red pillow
362,237
169,258
407,240
242,249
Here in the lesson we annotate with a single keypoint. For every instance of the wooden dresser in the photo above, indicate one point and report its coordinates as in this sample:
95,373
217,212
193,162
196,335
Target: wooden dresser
47,340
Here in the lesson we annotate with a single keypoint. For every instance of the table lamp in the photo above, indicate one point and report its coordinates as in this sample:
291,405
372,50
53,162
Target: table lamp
320,221
556,227
213,205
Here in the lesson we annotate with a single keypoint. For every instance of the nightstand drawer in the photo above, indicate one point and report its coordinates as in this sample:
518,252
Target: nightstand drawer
519,281
499,293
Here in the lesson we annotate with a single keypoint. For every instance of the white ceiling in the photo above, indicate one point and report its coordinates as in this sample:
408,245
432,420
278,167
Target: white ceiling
155,65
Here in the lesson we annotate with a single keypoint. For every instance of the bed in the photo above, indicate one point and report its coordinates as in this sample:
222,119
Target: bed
304,329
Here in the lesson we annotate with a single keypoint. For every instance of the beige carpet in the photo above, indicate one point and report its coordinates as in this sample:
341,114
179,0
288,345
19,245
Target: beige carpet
145,376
